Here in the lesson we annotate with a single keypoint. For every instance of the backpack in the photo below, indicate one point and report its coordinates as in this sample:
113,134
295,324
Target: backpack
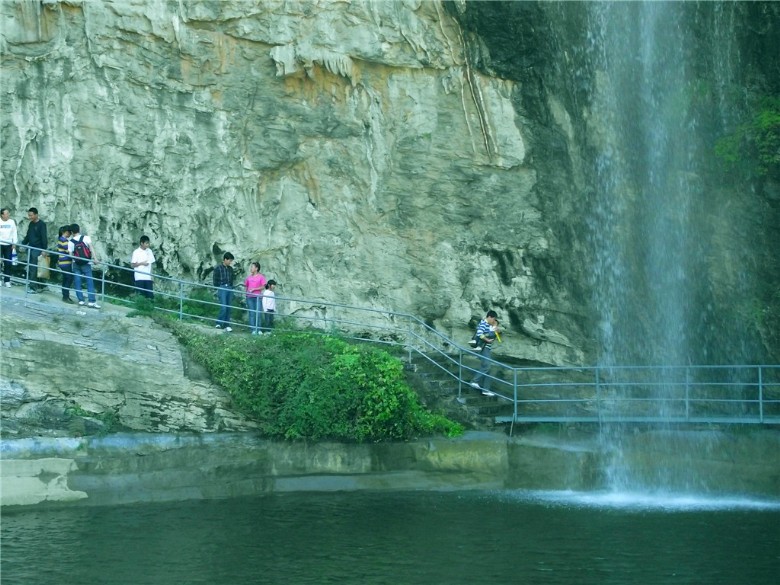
81,252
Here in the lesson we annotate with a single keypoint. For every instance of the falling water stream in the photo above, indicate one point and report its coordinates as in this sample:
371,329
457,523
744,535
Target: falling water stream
662,77
654,145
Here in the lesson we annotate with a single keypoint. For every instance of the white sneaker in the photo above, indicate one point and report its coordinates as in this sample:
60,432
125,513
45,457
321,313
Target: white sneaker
93,305
217,326
8,284
474,385
82,303
487,393
228,329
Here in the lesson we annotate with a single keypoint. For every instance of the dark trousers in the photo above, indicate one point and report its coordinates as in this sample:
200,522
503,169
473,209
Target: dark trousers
33,282
67,279
267,318
7,266
145,288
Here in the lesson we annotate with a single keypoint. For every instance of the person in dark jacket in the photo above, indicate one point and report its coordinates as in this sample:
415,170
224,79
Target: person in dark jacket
37,240
223,280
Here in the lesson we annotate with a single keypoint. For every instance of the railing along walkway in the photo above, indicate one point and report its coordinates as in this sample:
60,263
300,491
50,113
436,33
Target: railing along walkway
725,394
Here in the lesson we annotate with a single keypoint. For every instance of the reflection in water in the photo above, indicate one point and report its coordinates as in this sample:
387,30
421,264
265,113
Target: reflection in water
399,538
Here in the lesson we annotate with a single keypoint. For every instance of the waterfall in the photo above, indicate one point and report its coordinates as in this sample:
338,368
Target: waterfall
652,150
661,75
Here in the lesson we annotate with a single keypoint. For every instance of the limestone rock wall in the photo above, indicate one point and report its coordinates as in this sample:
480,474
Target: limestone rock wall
347,146
66,373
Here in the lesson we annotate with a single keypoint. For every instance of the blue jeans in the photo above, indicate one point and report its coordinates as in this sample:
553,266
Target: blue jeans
255,312
86,272
483,377
225,297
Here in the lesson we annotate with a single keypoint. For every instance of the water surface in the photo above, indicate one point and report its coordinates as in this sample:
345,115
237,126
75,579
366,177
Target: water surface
399,538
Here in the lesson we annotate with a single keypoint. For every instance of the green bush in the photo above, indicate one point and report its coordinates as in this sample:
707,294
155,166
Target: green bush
310,386
754,146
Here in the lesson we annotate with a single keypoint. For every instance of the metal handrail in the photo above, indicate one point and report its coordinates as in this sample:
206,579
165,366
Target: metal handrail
720,393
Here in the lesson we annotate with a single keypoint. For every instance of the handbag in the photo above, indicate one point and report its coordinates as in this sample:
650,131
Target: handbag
43,267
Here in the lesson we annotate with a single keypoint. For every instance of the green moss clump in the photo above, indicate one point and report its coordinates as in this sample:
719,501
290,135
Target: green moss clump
312,386
755,144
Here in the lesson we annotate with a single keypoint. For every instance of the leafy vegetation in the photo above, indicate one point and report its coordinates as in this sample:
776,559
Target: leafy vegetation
311,386
755,145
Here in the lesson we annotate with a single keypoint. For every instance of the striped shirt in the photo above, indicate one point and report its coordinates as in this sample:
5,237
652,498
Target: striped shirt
62,249
483,329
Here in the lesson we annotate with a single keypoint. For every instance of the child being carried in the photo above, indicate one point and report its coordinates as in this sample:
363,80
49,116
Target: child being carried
478,342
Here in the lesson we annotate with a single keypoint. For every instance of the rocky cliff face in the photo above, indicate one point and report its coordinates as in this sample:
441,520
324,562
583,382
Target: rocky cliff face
387,154
71,372
350,148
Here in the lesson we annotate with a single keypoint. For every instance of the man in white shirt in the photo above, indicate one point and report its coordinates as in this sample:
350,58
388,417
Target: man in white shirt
142,261
8,240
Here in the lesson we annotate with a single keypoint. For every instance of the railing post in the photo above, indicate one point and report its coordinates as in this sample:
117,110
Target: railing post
760,395
514,383
409,338
102,286
460,376
598,395
27,273
181,300
687,393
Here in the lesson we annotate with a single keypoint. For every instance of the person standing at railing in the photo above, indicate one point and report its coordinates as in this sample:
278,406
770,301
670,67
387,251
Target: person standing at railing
223,280
255,285
141,261
269,306
83,254
35,238
485,334
65,262
8,239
